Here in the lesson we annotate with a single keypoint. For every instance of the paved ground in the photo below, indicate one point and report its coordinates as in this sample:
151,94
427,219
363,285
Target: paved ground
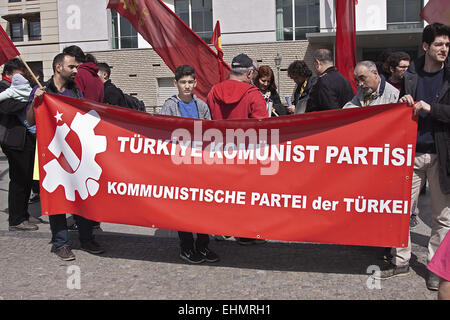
143,263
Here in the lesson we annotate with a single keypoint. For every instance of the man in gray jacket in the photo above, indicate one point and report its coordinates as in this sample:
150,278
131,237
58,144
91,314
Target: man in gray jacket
372,87
186,104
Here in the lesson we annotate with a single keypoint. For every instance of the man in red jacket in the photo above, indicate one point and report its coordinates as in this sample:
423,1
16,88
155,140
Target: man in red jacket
87,79
236,98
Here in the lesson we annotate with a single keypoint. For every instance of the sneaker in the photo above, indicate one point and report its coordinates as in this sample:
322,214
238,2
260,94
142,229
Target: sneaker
64,253
191,256
413,222
92,247
72,227
391,271
34,198
208,255
432,281
34,220
24,226
248,241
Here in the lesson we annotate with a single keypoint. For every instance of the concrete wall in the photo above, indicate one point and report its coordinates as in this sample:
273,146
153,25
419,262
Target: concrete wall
245,21
371,15
84,23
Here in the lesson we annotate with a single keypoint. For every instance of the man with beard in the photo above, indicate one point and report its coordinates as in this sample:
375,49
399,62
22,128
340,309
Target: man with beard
373,89
62,82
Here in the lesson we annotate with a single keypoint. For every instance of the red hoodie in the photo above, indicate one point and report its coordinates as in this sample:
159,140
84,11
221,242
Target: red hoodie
233,99
89,83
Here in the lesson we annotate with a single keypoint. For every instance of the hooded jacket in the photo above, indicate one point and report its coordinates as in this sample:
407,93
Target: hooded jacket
170,108
89,83
20,89
440,114
233,99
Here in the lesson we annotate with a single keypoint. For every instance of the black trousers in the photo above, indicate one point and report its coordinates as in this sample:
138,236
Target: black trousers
187,240
21,163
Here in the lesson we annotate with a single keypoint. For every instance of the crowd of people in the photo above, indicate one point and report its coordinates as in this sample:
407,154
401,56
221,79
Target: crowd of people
251,92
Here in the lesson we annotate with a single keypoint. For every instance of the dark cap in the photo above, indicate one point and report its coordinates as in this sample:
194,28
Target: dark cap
242,61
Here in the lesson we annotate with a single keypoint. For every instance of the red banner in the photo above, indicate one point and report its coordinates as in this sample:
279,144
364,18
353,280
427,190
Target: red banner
340,177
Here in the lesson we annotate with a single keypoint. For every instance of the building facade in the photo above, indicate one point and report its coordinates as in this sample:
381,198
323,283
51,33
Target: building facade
263,29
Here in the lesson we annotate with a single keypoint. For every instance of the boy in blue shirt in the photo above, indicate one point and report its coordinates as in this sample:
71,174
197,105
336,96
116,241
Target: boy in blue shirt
188,105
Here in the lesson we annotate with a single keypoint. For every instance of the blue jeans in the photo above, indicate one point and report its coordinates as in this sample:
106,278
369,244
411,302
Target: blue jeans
60,233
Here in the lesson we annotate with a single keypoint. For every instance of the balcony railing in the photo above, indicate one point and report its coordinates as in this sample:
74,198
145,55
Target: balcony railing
404,25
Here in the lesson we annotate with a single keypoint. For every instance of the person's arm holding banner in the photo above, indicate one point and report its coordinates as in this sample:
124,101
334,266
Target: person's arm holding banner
38,95
421,105
408,99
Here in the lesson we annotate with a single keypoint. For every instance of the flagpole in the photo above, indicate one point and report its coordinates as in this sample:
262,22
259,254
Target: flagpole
30,71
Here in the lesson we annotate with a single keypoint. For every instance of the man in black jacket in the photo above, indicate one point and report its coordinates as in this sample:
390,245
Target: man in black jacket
428,82
62,83
18,143
332,90
113,95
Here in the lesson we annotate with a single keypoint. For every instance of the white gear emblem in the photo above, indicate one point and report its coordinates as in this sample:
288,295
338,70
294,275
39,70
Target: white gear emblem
86,171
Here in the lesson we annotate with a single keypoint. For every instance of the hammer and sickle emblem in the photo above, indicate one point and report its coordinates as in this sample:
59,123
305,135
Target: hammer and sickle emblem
59,145
130,5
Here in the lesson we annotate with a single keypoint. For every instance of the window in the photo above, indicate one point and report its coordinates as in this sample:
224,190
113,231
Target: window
14,0
34,27
404,14
16,30
123,33
296,18
197,14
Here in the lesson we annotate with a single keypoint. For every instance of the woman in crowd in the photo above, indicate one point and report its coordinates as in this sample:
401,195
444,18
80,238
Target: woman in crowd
304,80
265,81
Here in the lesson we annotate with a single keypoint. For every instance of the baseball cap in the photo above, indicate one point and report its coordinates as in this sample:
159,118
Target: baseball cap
242,61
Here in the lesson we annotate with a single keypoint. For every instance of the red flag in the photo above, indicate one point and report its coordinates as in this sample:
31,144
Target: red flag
436,11
346,39
7,48
172,40
216,40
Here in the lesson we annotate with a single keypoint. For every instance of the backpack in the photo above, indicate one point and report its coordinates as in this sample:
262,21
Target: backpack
134,103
